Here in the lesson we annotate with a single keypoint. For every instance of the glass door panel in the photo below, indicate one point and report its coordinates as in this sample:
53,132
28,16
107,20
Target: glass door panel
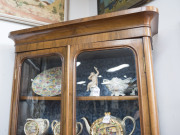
106,88
40,95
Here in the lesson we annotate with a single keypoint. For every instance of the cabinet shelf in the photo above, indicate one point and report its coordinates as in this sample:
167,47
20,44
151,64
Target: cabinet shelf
39,98
109,98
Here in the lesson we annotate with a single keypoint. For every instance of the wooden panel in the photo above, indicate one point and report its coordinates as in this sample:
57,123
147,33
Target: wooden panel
109,98
151,86
127,19
123,34
67,105
13,94
39,98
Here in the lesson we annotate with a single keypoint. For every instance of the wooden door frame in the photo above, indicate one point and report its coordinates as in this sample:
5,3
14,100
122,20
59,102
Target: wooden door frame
20,57
134,44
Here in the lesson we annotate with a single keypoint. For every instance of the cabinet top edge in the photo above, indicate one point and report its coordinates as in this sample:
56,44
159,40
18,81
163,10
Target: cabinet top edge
146,9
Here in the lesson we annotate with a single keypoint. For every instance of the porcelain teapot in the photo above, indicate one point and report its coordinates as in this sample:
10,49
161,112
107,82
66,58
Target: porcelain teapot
55,125
108,125
36,126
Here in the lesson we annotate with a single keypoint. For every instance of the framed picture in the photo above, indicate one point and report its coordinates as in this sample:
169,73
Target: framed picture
33,12
107,6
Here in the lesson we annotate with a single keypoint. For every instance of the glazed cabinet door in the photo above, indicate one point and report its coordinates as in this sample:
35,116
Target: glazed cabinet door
38,92
109,89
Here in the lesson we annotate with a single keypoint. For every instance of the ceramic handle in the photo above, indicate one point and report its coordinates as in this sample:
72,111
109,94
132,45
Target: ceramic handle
53,123
81,127
129,117
47,124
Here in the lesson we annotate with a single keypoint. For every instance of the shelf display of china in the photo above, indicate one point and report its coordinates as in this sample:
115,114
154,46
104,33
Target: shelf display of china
103,78
115,73
40,77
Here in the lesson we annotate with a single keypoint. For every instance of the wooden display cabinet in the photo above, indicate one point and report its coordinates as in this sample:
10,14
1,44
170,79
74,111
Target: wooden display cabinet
118,44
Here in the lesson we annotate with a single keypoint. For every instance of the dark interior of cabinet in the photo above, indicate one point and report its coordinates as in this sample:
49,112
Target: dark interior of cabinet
104,60
123,61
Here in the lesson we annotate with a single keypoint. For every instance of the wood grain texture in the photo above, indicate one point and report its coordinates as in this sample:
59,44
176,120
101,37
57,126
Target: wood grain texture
151,87
123,34
127,19
108,98
39,98
12,98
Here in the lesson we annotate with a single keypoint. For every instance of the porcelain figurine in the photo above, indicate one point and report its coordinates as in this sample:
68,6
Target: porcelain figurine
55,125
36,126
93,85
117,86
109,125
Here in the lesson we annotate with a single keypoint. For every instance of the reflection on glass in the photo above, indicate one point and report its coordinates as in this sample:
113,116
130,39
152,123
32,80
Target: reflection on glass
40,91
107,93
111,72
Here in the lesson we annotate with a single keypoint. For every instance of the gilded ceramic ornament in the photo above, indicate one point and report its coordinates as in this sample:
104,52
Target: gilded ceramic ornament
93,85
117,86
48,82
36,126
55,125
108,125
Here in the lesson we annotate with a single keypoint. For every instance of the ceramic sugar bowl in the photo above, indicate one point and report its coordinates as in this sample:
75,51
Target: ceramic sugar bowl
36,126
55,125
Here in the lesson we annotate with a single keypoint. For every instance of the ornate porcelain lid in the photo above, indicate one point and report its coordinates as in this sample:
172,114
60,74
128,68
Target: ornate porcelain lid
48,82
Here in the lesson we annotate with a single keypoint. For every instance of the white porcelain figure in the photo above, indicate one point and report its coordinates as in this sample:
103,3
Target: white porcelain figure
55,125
95,91
93,85
117,86
36,126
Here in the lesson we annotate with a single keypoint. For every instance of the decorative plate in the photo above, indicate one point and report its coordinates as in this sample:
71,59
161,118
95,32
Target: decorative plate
48,82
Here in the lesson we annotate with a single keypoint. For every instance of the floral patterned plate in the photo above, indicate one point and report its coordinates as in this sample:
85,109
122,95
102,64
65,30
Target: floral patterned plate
48,82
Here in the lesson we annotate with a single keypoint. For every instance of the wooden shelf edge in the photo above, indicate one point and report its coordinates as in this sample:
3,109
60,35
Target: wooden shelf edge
39,98
109,98
82,98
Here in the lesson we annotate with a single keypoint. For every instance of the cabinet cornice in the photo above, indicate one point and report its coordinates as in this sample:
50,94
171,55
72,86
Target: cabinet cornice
122,20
